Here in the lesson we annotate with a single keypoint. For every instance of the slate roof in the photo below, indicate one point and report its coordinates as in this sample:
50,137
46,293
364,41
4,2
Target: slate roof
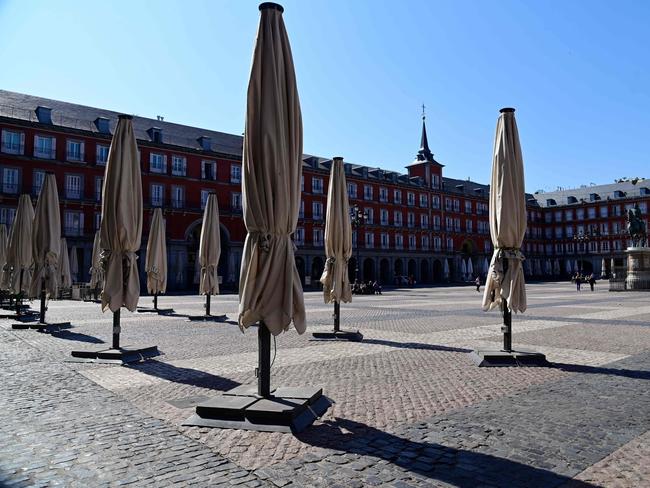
594,193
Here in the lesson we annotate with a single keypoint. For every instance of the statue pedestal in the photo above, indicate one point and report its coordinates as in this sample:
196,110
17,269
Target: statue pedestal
638,269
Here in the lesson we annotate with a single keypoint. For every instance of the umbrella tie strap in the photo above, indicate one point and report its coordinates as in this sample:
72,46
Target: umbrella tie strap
264,239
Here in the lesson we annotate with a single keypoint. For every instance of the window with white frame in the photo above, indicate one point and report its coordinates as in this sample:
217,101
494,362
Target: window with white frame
235,201
74,150
487,247
383,194
317,211
424,201
569,231
568,215
384,240
605,246
179,165
301,212
456,205
99,184
593,246
383,216
7,215
591,212
397,196
101,154
580,214
367,192
13,142
436,222
548,233
73,186
157,163
558,215
435,182
9,180
468,207
399,241
424,243
548,217
208,170
73,223
157,195
449,223
204,198
457,225
410,219
558,232
448,204
370,215
410,198
317,186
44,147
643,207
37,181
450,244
370,240
412,242
468,226
424,221
299,236
352,190
616,227
178,196
235,173
354,237
435,202
397,218
604,228
437,243
318,237
98,220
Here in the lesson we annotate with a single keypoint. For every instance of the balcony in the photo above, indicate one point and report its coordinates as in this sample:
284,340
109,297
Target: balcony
44,153
235,209
10,188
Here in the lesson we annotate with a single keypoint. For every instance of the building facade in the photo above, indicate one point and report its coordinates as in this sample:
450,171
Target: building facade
418,223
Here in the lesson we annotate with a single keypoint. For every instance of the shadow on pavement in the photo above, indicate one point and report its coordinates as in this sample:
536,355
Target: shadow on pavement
186,376
626,373
75,336
414,345
457,467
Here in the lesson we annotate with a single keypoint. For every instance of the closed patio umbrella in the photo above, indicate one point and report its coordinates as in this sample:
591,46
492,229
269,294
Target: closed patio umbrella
156,261
463,269
209,253
74,264
567,266
179,269
576,267
603,268
556,267
338,250
470,268
486,266
548,269
64,265
505,287
538,267
445,268
527,267
96,267
18,270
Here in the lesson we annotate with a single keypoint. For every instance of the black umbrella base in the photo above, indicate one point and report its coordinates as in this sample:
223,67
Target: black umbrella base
508,358
42,326
339,335
288,409
123,355
207,318
160,311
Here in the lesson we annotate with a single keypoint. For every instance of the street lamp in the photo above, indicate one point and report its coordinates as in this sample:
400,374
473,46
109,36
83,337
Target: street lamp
583,238
357,217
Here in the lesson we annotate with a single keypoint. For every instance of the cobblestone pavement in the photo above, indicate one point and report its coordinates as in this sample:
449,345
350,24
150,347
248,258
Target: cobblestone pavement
411,409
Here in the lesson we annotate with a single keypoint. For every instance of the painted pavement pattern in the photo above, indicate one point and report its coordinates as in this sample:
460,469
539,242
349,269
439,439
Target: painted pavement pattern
410,408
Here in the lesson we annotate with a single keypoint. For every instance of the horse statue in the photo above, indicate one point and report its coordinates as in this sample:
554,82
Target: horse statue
636,227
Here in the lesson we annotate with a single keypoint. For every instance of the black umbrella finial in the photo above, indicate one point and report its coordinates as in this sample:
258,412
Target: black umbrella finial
275,6
506,110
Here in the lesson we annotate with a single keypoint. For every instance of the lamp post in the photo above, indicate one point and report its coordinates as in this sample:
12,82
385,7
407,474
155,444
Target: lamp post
583,238
357,218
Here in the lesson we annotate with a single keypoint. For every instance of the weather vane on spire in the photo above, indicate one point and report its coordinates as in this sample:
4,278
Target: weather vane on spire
424,116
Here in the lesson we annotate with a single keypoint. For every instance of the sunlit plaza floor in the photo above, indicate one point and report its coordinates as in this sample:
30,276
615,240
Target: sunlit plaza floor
410,407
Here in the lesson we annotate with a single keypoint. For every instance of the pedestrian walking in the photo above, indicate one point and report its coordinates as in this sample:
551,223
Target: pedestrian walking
478,284
592,281
577,280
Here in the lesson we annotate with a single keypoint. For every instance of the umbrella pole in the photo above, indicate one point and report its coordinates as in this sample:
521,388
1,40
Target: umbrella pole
116,329
19,298
155,301
207,304
507,327
42,316
337,316
264,361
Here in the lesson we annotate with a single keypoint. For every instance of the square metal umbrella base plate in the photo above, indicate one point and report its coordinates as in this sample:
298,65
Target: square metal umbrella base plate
160,311
42,327
288,409
123,355
485,358
340,335
207,318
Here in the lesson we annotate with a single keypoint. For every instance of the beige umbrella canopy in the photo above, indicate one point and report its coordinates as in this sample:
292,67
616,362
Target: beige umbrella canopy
121,227
270,289
74,264
210,247
338,238
96,269
3,250
64,266
507,219
156,262
46,240
18,270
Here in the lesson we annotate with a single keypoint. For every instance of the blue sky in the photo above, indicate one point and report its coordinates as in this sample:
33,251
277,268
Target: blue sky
578,73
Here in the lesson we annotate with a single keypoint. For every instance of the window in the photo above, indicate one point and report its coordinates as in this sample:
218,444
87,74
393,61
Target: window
235,202
548,217
299,236
73,223
616,210
425,243
352,190
448,204
449,223
370,239
73,186
384,240
457,225
383,216
157,163
643,207
435,202
548,233
616,227
354,237
178,196
604,228
412,244
7,216
468,226
487,247
468,207
605,246
44,147
370,215
397,218
317,185
424,221
456,205
317,211
410,219
157,195
558,232
208,170
435,183
179,165
74,150
9,180
204,198
424,201
580,214
318,237
397,196
383,194
98,220
301,212
99,184
37,181
399,241
437,243
367,192
436,222
450,244
410,198
235,173
568,215
13,142
101,154
591,212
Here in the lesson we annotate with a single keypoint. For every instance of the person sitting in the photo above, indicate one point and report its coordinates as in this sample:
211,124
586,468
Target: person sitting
376,288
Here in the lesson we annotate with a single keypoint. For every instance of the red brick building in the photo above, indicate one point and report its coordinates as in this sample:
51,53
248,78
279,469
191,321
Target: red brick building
415,221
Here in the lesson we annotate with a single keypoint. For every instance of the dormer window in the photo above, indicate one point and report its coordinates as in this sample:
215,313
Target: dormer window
44,115
205,142
619,194
572,199
103,125
155,133
550,202
644,191
593,197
